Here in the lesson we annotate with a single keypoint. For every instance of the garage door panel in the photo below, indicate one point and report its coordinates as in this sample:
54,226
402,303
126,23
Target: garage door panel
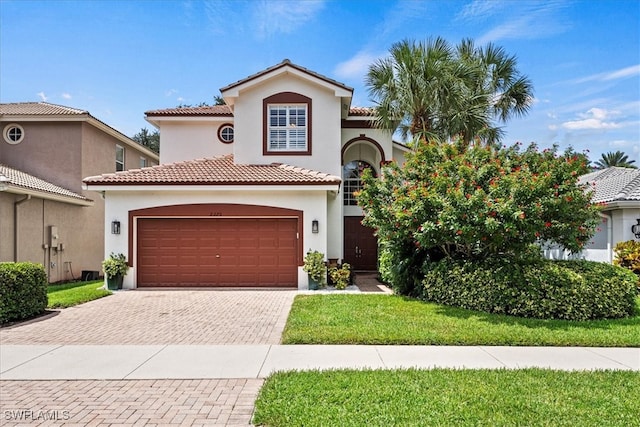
217,252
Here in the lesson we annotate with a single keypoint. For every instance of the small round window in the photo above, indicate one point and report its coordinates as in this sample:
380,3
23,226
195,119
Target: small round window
13,133
225,133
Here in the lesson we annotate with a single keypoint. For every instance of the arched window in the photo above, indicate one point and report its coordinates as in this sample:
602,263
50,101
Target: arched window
352,177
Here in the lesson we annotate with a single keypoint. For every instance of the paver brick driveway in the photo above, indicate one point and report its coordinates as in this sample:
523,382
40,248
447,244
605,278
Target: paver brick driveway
148,317
164,317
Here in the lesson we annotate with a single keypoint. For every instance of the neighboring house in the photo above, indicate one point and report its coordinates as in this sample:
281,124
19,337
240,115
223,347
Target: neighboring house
245,189
618,191
45,215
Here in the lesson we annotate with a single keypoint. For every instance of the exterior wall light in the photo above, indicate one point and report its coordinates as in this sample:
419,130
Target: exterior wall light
635,229
115,227
315,226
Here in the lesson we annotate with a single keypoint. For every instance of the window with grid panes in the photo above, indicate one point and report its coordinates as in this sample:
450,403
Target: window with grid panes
287,127
352,179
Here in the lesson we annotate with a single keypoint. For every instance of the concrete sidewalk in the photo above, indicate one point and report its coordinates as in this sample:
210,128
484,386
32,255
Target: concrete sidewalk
117,362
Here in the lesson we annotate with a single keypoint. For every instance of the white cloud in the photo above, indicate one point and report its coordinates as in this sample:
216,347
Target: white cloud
170,92
356,67
619,143
42,96
66,95
518,19
595,118
622,73
632,71
273,17
479,9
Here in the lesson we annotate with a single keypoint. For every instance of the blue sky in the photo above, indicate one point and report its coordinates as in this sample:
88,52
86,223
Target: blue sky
118,59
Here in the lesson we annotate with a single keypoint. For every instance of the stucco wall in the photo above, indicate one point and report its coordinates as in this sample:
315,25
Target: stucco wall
35,217
312,203
324,121
50,151
190,140
6,226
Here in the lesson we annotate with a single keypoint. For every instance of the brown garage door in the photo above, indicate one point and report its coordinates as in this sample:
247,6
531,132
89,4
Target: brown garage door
217,252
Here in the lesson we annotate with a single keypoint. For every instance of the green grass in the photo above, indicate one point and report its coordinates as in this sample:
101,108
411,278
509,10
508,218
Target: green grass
441,397
383,319
70,294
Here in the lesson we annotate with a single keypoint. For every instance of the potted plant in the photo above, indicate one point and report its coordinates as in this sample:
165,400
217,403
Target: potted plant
316,269
115,267
341,276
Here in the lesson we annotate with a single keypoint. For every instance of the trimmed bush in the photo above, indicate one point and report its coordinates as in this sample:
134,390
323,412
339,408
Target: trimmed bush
543,289
23,290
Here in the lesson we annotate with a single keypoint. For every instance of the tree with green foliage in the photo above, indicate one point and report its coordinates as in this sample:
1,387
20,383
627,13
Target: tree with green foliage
151,140
611,159
476,203
432,90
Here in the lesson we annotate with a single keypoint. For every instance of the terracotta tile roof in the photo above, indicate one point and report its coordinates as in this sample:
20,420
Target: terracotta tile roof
39,108
224,110
214,110
22,180
362,111
284,63
613,184
216,171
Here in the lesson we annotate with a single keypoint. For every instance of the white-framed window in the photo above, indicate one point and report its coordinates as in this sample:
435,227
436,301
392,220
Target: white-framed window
225,133
143,162
13,133
287,127
352,179
119,158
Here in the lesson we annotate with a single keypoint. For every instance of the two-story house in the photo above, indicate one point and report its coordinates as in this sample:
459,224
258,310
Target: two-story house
245,189
45,215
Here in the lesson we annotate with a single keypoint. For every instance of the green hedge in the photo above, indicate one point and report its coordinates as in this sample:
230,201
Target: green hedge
23,290
571,290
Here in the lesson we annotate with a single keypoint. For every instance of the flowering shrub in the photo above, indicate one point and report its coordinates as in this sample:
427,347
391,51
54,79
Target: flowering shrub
475,203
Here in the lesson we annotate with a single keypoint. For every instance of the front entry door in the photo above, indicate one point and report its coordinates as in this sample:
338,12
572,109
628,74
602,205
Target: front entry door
360,245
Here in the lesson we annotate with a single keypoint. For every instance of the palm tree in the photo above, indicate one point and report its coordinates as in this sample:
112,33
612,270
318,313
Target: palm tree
506,92
611,159
430,90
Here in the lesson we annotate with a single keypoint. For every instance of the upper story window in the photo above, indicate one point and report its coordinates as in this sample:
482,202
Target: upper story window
287,127
287,124
352,179
225,133
13,133
143,162
119,158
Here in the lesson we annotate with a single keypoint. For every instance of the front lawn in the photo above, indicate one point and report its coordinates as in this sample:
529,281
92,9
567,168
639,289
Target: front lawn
531,397
383,319
70,294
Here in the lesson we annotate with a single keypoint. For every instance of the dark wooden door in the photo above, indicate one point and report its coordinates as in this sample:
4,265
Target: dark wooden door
360,245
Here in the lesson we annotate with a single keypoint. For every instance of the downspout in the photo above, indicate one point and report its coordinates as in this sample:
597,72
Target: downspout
609,220
15,225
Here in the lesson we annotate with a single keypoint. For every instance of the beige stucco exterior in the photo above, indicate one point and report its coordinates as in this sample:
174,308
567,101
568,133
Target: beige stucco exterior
61,151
